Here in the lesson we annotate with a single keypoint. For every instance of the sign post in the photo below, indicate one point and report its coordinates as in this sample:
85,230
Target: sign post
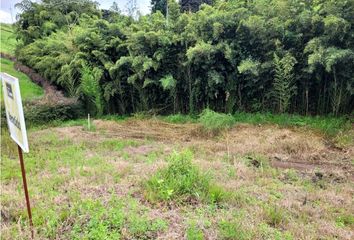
17,127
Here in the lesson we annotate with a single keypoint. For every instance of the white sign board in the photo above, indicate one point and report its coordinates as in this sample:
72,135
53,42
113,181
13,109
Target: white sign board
14,110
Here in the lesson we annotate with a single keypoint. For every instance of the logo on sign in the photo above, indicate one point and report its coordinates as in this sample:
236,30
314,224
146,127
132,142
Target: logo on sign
9,91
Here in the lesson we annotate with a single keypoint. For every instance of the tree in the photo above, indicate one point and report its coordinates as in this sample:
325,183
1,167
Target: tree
192,5
159,5
90,88
288,56
283,86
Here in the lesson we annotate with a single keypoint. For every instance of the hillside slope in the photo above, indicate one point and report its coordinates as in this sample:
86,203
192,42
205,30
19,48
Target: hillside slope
8,39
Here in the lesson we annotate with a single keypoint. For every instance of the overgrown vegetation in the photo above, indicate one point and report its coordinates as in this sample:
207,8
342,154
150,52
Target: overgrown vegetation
235,55
329,126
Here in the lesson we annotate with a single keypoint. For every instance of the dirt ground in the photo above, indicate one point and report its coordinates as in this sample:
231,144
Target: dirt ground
322,190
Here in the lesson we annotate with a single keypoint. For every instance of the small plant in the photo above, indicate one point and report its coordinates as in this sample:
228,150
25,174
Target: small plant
345,220
215,122
194,233
217,194
275,215
230,230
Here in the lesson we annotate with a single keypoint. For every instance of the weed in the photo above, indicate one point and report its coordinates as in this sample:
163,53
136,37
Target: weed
217,194
114,221
233,230
117,144
268,232
152,157
180,181
274,215
240,198
194,233
215,122
345,220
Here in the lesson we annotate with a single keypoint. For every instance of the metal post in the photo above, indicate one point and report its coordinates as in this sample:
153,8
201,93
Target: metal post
88,122
25,188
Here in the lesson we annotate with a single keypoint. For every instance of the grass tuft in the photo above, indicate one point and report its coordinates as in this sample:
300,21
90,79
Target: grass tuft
229,230
194,233
274,216
182,182
215,122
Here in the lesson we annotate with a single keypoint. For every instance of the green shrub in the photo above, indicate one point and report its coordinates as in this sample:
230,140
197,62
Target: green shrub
37,113
215,122
43,113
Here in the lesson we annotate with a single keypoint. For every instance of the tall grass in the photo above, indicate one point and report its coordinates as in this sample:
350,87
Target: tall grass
211,120
328,125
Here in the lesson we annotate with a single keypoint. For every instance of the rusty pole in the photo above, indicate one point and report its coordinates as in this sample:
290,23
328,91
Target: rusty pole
25,188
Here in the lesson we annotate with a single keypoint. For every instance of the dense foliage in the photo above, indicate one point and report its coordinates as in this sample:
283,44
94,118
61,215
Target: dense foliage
235,55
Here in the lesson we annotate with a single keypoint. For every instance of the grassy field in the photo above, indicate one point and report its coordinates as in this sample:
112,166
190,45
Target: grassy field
8,39
29,90
137,178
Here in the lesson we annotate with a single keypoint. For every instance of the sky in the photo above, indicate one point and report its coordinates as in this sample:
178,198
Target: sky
8,11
